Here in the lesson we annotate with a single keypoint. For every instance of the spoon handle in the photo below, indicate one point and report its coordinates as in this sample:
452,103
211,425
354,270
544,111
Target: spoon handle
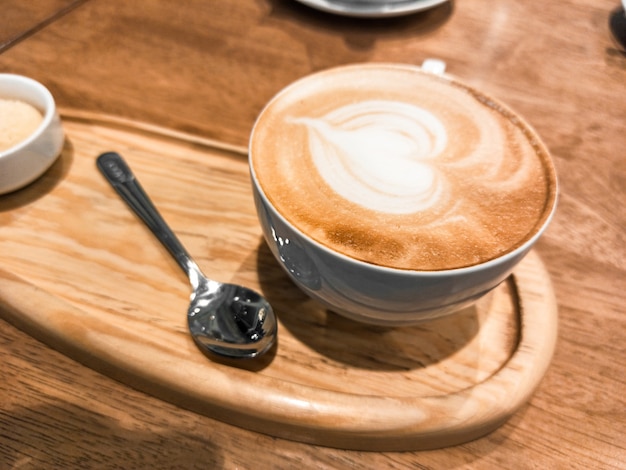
118,173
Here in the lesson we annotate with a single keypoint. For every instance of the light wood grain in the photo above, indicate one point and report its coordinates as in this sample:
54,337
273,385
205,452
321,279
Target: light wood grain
208,68
80,273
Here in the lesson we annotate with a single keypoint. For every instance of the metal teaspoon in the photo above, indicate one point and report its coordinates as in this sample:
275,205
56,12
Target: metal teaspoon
226,319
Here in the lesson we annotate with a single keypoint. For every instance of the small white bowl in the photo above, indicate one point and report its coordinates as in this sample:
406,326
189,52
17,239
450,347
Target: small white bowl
28,160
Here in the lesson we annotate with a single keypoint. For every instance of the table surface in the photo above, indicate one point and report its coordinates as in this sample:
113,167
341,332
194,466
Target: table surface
207,68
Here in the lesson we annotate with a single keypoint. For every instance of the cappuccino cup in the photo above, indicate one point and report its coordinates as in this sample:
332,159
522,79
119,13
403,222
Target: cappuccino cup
393,195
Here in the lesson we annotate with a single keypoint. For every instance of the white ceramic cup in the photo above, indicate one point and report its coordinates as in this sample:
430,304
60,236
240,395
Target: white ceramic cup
371,293
29,159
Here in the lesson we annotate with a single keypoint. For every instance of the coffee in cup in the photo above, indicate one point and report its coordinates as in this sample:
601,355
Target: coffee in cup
391,166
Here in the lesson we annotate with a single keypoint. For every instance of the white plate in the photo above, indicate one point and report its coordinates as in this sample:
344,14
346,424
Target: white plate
372,8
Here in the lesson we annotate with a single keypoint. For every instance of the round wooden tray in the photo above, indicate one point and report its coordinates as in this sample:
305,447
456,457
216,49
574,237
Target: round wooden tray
82,274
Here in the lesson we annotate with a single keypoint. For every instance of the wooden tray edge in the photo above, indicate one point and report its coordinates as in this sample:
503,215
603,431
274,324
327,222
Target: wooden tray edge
322,417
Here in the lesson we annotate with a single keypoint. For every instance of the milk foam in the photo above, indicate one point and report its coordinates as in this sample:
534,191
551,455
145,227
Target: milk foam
425,174
379,154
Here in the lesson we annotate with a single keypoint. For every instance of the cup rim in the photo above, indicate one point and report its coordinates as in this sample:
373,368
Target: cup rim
48,112
503,258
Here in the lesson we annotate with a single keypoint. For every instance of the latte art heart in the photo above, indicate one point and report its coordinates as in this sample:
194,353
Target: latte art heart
379,154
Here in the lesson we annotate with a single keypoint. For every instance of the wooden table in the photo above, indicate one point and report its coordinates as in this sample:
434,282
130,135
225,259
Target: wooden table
207,68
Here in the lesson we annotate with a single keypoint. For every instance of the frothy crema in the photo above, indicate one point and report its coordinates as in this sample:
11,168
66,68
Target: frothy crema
400,168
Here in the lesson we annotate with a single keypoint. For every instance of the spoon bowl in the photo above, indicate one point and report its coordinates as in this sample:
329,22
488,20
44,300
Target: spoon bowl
230,320
225,319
